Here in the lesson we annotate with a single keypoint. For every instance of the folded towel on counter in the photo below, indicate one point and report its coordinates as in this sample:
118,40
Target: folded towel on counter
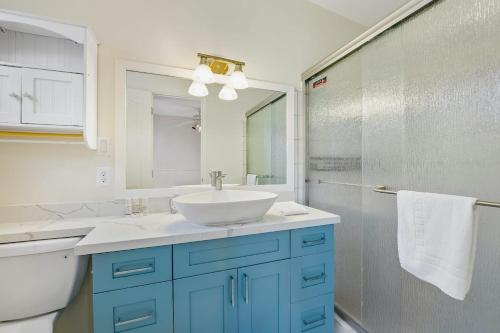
437,239
251,179
289,208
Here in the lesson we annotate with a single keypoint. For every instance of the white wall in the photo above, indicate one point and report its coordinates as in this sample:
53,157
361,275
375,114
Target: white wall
224,132
139,138
278,39
177,151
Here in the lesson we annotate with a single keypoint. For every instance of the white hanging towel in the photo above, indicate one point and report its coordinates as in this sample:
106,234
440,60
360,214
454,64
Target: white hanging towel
437,239
251,179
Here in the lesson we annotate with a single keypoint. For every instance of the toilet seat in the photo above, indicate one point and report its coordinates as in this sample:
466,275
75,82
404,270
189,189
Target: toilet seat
39,324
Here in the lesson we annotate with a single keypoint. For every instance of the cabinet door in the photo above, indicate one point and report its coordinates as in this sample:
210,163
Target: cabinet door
10,95
206,303
264,300
52,98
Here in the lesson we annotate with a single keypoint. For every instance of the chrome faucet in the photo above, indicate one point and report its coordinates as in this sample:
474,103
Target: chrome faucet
216,179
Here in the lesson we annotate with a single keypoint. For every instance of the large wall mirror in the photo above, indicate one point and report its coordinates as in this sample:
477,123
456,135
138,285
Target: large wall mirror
174,139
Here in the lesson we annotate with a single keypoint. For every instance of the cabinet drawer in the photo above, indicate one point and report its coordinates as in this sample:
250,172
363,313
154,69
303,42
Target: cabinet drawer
311,240
123,269
221,254
145,309
313,316
312,276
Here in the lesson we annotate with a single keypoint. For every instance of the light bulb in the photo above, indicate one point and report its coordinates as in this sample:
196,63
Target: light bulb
238,78
198,89
203,74
228,93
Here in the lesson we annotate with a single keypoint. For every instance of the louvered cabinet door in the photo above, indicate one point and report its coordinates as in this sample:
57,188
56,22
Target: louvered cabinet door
10,95
52,98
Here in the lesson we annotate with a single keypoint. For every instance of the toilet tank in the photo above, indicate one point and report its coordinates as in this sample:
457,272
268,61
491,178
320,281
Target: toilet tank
38,277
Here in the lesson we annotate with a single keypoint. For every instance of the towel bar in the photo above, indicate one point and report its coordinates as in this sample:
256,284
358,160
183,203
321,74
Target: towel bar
383,189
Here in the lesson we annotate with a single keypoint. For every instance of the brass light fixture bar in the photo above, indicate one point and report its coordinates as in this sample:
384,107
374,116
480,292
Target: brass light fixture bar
219,65
208,56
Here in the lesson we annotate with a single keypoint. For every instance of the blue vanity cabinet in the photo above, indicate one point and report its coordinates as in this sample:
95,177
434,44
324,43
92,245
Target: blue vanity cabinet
264,300
276,282
132,291
312,280
220,254
143,309
129,268
206,303
314,315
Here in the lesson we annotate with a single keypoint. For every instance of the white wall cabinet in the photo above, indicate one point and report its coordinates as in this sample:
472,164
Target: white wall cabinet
48,77
51,98
10,95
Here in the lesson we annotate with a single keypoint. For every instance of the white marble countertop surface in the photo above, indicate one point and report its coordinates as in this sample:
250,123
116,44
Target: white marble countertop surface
107,234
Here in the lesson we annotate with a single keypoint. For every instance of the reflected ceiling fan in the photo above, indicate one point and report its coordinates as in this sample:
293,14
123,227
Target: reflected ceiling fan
195,123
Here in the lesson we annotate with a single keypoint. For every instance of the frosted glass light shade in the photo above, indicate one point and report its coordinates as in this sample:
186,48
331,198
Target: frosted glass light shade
198,89
228,93
239,80
203,74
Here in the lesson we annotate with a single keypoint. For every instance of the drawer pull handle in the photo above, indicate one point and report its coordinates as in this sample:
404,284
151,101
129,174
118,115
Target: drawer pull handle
313,321
231,279
314,278
132,321
245,294
133,271
313,242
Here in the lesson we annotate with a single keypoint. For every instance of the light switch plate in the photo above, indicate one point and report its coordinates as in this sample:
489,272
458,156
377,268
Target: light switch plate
103,146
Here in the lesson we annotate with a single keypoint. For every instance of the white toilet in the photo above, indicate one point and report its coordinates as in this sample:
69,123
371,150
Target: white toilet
37,279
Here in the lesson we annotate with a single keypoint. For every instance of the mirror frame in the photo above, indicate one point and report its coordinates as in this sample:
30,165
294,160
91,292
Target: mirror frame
120,150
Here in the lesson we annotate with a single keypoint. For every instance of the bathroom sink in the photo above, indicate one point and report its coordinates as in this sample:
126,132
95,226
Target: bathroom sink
224,207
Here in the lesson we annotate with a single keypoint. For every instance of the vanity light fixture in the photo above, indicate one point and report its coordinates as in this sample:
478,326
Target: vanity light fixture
228,93
205,74
198,89
238,78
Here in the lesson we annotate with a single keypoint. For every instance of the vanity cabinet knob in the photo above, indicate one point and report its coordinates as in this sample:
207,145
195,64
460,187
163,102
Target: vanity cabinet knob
16,96
28,96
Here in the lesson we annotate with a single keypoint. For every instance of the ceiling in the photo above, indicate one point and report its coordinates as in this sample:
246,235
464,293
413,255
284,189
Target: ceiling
364,12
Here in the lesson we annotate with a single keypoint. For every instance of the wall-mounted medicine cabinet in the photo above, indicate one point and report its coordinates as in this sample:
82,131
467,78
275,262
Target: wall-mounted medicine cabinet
48,80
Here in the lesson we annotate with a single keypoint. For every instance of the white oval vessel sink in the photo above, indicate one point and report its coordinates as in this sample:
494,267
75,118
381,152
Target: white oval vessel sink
224,207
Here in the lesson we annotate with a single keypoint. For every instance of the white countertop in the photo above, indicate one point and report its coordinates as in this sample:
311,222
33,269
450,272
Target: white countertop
107,234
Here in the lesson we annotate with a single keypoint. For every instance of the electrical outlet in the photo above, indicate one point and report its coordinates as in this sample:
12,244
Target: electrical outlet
103,176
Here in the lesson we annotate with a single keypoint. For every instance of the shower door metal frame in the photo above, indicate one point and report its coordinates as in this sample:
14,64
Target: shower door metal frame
394,18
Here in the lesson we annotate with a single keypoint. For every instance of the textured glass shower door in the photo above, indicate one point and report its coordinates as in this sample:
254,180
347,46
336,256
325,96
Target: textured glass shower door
266,143
417,108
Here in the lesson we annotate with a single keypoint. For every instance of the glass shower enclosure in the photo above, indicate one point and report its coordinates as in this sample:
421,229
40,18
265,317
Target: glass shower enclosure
416,108
266,142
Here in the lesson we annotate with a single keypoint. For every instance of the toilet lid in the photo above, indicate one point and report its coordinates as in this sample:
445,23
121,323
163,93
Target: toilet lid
40,324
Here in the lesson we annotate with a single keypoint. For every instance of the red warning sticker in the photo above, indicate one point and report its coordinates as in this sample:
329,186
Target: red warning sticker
321,82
